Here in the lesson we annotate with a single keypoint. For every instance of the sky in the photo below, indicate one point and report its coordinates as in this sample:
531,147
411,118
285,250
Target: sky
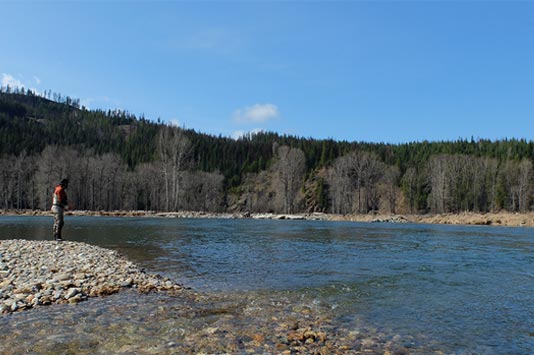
374,71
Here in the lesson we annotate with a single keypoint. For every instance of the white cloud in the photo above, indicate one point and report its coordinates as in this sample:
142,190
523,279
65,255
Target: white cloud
11,81
239,134
257,113
86,103
174,122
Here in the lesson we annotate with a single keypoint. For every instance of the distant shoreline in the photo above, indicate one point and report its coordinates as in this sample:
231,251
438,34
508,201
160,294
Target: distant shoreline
506,219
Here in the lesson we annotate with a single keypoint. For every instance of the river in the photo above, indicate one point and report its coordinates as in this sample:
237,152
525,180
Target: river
430,288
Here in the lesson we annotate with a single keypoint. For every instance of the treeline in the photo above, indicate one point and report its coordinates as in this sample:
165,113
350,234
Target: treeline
118,161
104,182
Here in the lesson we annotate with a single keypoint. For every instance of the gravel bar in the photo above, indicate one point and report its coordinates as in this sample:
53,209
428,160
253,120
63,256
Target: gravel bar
35,273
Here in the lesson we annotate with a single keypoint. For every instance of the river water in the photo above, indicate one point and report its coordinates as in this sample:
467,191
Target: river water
430,288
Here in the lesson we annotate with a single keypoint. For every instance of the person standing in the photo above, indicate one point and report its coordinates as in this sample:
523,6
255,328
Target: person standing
59,204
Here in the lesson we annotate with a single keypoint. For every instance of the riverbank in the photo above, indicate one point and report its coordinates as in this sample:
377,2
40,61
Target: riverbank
177,321
36,273
507,219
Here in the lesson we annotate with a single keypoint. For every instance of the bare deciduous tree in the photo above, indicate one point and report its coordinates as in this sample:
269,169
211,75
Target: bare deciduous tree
364,171
52,167
290,167
6,178
463,183
372,170
391,188
409,185
340,186
438,183
203,191
524,185
149,185
357,173
517,184
174,150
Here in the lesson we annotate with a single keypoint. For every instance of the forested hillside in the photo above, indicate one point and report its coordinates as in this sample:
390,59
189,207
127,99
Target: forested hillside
117,161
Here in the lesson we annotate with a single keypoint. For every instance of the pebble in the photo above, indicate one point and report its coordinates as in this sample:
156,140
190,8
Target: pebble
38,273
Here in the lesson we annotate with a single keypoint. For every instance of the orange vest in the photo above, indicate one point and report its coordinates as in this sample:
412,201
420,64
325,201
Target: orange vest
60,197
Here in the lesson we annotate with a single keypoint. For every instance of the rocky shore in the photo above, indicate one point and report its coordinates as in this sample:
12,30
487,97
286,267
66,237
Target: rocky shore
35,273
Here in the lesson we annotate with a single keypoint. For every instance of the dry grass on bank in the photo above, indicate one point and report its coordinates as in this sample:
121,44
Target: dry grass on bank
490,219
465,218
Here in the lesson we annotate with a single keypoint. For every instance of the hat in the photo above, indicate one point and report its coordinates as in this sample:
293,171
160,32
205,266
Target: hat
64,182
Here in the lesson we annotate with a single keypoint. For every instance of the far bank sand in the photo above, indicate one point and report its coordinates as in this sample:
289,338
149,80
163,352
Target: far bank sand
467,218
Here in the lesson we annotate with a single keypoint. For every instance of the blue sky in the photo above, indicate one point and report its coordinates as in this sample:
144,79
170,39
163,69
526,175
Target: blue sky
358,71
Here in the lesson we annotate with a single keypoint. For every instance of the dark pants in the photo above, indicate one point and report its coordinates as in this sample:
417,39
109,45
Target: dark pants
58,221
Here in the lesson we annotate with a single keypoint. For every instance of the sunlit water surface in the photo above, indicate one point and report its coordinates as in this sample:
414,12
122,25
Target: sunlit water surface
465,290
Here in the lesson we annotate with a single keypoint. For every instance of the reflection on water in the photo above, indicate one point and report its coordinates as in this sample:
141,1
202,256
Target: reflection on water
457,289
